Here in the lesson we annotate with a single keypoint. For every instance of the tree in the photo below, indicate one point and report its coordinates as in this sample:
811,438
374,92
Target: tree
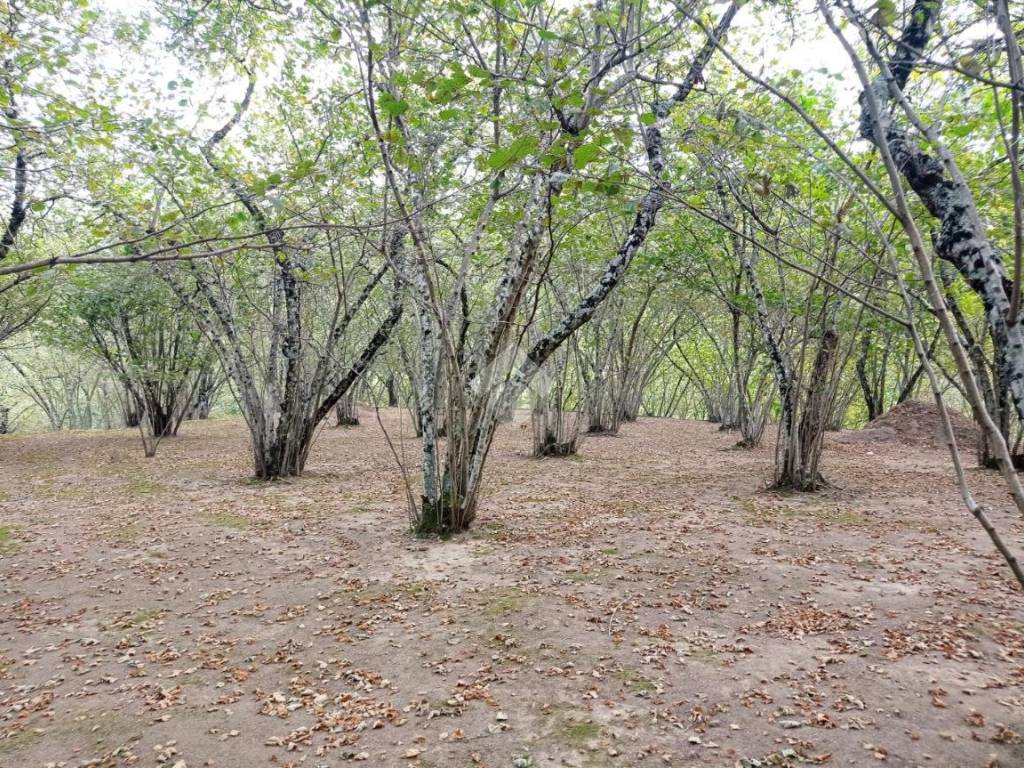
133,324
283,316
545,122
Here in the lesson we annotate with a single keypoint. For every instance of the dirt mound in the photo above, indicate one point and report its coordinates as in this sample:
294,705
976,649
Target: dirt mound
919,424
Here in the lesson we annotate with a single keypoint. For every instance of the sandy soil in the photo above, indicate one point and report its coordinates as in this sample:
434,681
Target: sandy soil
645,604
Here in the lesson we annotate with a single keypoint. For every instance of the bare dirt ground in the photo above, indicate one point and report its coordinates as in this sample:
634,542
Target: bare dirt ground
645,604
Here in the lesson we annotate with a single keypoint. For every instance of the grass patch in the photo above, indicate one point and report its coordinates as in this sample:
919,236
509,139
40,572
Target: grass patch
141,487
143,619
86,728
413,588
488,534
8,546
123,534
636,682
707,656
502,601
385,591
227,520
12,742
758,513
43,466
104,730
581,577
575,733
60,492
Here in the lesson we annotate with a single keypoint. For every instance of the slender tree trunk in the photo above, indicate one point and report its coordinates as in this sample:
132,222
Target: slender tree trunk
345,412
814,418
392,388
873,398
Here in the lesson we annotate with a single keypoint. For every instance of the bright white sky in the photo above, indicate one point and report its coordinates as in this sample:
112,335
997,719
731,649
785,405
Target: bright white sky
811,51
777,52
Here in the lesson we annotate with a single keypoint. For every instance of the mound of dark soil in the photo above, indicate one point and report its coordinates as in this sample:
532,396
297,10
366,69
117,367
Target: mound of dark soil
919,424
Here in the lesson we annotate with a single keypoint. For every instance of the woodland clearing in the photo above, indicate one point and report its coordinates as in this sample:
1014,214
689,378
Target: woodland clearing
645,603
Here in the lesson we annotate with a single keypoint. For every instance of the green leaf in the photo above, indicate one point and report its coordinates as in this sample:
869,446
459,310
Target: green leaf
587,153
886,14
391,105
302,169
505,157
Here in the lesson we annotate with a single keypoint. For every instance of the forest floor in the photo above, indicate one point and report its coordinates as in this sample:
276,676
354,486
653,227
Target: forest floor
647,603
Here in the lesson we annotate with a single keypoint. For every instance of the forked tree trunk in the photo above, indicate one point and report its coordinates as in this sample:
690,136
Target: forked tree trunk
450,498
346,414
556,433
798,451
160,407
602,405
204,395
994,396
804,474
873,391
556,430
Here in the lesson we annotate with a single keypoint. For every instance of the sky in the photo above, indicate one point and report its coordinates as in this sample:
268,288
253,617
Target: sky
776,50
813,48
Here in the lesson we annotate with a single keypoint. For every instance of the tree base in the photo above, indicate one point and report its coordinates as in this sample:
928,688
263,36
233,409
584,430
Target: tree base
992,463
441,519
555,449
801,486
270,472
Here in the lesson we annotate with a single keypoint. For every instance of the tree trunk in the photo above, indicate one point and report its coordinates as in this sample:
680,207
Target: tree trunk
203,395
555,430
939,185
873,398
392,387
346,413
483,393
817,407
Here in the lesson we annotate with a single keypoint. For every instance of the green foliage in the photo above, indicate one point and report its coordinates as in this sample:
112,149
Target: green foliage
472,98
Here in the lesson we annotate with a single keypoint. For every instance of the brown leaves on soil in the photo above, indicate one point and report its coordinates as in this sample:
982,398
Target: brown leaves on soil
646,604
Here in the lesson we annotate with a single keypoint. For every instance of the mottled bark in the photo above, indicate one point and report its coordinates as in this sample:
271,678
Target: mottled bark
19,211
392,390
298,382
961,239
787,448
814,418
487,385
346,414
19,187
